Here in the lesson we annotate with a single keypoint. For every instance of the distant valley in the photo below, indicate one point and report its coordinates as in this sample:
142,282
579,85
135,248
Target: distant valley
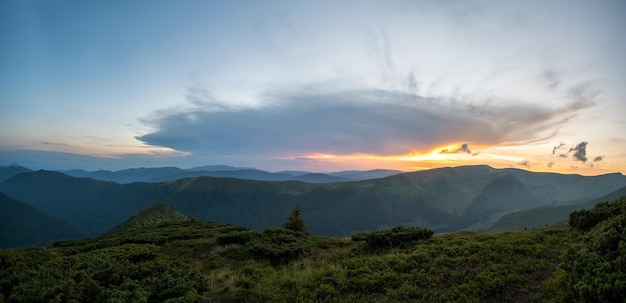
477,198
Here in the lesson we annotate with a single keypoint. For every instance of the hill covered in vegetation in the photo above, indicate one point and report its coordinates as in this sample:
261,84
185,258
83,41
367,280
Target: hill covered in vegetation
194,261
444,200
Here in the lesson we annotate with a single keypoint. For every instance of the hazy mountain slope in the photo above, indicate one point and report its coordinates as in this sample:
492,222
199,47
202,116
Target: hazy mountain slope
6,172
252,174
128,175
85,200
164,174
358,175
505,194
219,168
542,216
23,225
566,189
444,199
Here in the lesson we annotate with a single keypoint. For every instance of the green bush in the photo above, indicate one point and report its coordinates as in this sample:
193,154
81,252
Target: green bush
280,246
398,236
593,267
588,218
236,237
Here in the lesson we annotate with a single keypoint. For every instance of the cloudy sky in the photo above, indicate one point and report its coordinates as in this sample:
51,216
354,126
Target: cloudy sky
314,85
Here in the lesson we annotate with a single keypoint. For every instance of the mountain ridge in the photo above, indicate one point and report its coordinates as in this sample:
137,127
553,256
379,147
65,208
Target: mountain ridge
161,174
445,199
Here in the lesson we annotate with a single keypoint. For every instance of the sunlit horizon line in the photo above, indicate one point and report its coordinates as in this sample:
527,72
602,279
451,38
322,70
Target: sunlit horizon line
447,152
436,158
413,161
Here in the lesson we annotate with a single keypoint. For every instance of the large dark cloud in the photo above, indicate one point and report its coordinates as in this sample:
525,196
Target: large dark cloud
372,121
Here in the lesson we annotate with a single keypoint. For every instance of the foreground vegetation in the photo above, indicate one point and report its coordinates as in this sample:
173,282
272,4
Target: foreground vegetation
192,261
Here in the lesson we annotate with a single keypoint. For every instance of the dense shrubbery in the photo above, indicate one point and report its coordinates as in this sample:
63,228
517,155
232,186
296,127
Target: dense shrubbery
123,273
588,218
236,237
594,269
280,246
399,236
207,262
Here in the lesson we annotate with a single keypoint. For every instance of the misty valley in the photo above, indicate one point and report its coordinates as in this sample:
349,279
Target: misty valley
228,234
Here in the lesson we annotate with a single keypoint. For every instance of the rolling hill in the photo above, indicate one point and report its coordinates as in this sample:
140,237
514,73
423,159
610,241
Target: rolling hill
446,199
157,214
22,225
548,215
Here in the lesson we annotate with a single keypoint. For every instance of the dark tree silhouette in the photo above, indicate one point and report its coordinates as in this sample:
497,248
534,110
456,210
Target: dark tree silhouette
295,222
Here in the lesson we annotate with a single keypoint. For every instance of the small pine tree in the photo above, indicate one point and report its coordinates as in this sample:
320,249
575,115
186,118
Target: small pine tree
295,222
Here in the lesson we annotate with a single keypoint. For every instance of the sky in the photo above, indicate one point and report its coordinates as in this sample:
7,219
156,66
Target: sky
314,85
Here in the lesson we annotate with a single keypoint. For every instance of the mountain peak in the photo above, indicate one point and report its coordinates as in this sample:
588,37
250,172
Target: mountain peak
156,214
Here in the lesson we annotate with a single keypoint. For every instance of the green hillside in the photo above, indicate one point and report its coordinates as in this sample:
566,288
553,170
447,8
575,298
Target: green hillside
22,225
445,200
548,215
193,261
157,214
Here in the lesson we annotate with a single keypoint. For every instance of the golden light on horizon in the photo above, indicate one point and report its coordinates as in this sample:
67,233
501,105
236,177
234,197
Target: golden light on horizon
456,154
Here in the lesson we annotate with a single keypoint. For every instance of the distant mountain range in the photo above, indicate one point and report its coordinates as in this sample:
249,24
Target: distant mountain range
6,172
444,199
161,174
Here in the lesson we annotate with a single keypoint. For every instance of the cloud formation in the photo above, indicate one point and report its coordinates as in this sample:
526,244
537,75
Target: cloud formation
580,152
379,122
463,149
558,148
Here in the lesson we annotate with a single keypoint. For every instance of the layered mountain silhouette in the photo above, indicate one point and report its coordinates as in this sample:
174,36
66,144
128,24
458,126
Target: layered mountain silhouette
6,172
161,174
445,199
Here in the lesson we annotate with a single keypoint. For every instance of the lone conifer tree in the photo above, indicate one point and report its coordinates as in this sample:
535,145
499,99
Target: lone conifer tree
295,222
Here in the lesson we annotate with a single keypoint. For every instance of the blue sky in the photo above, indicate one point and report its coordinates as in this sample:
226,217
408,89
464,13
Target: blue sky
315,85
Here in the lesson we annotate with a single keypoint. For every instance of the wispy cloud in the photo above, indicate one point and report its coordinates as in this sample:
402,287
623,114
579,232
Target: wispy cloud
552,77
